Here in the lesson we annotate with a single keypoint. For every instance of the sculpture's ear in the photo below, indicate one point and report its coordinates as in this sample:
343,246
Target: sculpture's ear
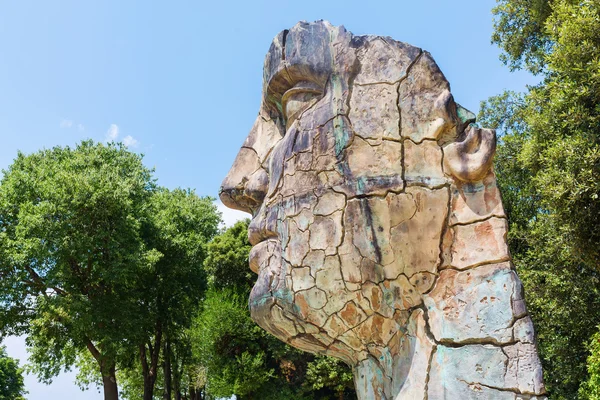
470,159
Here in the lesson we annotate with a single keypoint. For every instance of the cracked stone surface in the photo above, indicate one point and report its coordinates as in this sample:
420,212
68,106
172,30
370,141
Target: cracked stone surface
378,229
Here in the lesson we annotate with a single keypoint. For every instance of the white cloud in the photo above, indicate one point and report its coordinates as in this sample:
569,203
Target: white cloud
112,133
129,141
230,216
66,123
80,127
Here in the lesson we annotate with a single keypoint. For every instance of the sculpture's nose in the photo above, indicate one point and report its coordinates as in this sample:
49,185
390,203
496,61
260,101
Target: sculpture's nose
245,186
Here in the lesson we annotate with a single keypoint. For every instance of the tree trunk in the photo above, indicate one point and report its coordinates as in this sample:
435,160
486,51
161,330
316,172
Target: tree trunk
149,386
149,369
177,368
108,372
195,394
149,372
167,369
109,379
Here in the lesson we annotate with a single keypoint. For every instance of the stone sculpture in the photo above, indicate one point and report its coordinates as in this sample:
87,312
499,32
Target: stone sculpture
378,230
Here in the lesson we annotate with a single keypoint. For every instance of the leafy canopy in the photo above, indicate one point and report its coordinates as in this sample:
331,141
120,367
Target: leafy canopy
71,251
548,164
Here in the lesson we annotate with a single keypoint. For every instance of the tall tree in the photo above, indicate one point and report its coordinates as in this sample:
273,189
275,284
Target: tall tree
178,228
560,146
548,166
71,253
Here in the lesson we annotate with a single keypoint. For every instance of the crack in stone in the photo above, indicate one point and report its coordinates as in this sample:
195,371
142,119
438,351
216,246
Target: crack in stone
474,221
479,264
416,183
428,372
512,390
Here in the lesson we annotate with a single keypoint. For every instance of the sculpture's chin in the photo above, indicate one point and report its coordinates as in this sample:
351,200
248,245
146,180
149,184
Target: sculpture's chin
261,298
270,298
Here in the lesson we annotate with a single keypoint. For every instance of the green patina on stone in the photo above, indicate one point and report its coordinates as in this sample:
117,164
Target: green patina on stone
465,115
342,135
360,185
284,295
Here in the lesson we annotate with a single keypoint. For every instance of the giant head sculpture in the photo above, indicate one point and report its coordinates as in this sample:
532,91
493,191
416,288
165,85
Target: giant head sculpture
378,230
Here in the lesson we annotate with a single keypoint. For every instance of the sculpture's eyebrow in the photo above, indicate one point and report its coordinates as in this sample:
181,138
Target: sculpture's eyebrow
288,78
304,87
277,85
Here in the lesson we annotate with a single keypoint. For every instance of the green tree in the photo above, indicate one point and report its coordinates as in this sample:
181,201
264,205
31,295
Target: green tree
12,386
520,30
178,228
548,166
327,372
228,345
564,120
590,390
71,253
562,146
227,260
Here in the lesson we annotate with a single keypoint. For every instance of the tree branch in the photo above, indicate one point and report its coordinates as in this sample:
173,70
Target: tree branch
41,284
95,352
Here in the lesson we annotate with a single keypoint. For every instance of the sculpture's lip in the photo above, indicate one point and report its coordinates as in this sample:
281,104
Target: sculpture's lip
257,235
260,254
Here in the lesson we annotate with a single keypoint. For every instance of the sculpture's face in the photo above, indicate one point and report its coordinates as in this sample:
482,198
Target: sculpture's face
378,231
344,175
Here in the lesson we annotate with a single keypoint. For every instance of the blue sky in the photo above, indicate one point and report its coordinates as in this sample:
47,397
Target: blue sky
180,81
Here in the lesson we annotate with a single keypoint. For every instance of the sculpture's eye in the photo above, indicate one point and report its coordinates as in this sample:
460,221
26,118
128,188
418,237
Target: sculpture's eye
298,99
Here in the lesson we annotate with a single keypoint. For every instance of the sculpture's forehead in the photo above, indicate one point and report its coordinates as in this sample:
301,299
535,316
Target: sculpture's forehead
320,53
314,51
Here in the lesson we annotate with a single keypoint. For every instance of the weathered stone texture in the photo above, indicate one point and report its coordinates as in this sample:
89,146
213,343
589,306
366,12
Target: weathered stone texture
378,229
423,163
374,112
473,305
479,242
484,372
476,201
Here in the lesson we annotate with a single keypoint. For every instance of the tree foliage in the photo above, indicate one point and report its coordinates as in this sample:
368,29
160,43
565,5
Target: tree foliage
548,165
590,390
71,252
520,30
12,386
564,119
178,228
327,372
228,345
95,257
227,259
